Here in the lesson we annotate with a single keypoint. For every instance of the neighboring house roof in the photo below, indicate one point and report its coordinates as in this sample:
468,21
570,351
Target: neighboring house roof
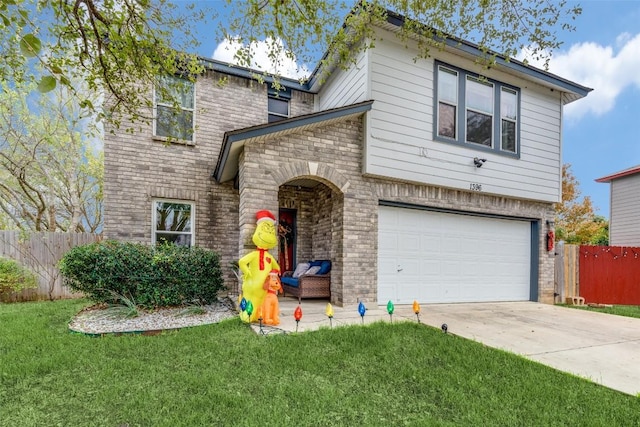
626,172
572,91
233,141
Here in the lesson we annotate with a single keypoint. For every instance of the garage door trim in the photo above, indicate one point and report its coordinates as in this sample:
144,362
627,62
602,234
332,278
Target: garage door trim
453,211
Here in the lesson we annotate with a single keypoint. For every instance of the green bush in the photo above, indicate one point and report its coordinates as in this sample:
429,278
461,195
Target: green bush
160,276
14,277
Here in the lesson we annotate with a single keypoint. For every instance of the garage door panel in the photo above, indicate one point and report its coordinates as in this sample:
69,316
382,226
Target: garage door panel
387,266
387,242
444,257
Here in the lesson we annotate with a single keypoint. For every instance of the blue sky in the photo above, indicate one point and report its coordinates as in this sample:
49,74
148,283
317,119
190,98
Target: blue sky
602,131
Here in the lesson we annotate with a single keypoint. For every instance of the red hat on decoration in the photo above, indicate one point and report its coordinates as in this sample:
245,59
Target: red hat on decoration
265,215
275,271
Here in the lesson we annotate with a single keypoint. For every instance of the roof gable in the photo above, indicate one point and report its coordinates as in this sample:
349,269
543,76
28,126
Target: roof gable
233,141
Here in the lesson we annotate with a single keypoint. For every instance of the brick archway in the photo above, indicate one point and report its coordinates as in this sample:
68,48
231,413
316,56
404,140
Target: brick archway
324,173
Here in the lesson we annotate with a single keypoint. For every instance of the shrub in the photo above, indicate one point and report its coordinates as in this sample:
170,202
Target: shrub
160,276
15,277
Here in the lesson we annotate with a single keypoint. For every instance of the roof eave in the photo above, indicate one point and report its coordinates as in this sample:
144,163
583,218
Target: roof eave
573,91
631,171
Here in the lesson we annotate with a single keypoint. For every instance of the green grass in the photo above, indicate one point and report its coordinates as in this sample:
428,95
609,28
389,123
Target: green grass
619,310
225,375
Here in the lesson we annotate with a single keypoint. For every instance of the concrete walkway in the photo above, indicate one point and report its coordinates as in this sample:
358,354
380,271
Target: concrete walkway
600,347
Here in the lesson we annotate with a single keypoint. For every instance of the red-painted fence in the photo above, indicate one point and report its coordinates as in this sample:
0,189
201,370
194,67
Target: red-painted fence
610,274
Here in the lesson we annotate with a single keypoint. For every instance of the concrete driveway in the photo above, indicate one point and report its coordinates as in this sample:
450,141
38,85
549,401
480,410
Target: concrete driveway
600,347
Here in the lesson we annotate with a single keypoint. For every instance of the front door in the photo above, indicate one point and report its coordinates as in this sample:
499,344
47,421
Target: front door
287,239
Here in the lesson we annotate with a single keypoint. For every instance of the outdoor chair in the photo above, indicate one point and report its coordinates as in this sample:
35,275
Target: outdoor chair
309,280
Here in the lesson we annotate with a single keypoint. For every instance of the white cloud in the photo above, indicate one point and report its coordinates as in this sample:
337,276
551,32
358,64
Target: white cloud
622,39
608,70
284,66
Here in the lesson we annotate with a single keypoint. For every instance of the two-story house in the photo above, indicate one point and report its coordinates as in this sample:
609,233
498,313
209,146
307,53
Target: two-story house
624,206
419,179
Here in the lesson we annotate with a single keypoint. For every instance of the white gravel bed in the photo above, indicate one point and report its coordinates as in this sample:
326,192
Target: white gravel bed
102,321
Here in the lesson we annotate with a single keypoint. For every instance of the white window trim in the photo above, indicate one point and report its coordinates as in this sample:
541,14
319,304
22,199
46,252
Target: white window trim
154,219
191,141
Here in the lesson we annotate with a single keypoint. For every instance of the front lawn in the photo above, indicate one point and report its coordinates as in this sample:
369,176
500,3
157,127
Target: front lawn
225,375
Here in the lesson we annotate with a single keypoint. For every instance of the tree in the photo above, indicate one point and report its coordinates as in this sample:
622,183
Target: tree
120,46
116,47
576,221
50,172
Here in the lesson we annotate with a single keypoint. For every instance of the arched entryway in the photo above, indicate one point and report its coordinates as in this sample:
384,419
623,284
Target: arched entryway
311,223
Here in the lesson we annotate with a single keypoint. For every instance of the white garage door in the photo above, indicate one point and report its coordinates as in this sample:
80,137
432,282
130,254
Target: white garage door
436,257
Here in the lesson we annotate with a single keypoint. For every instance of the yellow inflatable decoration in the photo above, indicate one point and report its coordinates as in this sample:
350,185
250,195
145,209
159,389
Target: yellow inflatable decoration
257,265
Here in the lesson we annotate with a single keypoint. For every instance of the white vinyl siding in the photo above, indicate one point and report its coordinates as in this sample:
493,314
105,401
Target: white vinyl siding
400,132
345,87
624,228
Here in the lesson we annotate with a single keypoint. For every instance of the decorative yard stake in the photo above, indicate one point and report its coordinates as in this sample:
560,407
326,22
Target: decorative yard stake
297,314
444,328
390,309
362,310
260,319
329,313
249,308
416,309
243,304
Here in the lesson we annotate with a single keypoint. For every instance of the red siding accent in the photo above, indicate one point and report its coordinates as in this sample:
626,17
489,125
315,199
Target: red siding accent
610,274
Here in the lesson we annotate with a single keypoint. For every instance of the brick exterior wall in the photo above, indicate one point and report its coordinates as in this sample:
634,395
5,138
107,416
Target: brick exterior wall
337,219
139,168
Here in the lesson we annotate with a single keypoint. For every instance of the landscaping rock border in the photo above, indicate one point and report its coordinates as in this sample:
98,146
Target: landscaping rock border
98,320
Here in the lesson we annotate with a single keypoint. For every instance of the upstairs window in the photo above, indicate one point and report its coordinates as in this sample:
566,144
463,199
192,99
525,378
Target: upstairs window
174,107
447,103
509,118
278,105
479,112
471,110
173,222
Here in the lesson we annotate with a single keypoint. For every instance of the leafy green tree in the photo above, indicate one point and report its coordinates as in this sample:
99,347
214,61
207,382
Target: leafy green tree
51,165
116,46
576,221
601,237
120,46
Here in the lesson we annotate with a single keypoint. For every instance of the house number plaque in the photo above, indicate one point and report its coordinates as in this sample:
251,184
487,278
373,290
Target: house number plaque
475,187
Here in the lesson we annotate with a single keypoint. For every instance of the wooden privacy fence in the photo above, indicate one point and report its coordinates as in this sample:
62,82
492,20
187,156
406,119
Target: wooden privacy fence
40,252
599,274
567,281
610,274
